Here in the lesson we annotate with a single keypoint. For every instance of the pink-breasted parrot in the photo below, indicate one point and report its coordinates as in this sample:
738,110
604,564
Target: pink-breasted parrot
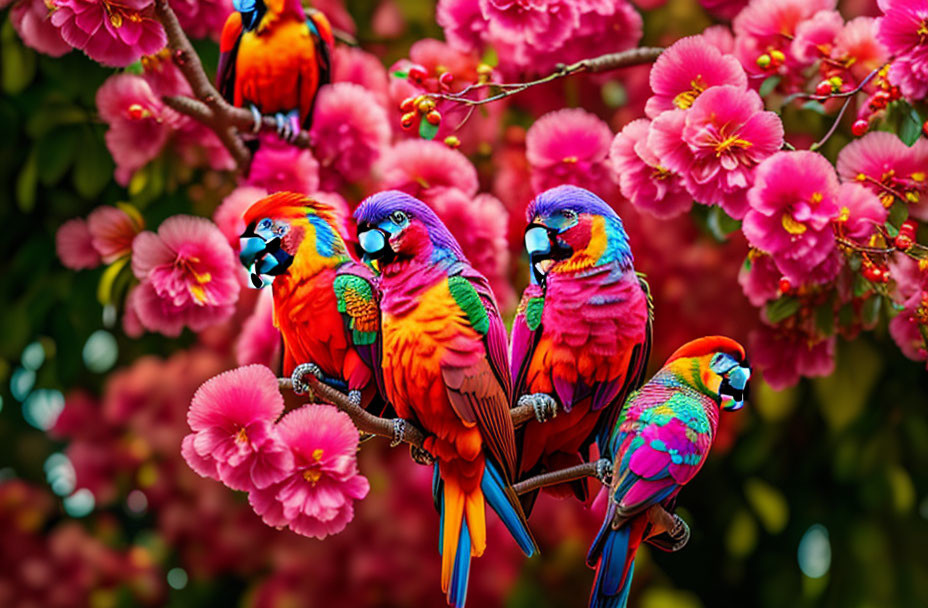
660,442
582,335
445,367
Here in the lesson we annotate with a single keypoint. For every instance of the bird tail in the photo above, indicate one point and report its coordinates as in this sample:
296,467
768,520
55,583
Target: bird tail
463,526
615,565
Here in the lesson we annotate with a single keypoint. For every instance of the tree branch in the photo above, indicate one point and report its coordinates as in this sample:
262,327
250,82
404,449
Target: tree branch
580,471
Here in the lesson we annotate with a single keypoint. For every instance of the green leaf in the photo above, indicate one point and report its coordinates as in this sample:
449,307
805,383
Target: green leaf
427,130
55,152
825,319
26,184
910,128
767,87
401,74
105,290
815,106
720,224
861,285
781,309
17,63
898,213
93,167
871,310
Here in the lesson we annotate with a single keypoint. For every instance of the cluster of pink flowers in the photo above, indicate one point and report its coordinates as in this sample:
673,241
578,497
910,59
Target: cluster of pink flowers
300,472
902,29
104,237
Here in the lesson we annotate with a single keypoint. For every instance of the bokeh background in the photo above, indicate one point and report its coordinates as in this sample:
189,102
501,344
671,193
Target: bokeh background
813,496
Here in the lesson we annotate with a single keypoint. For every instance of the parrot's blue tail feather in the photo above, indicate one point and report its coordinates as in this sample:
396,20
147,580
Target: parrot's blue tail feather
614,572
497,493
457,592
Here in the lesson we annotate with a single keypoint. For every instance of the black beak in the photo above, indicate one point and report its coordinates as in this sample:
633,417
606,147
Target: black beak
374,246
544,250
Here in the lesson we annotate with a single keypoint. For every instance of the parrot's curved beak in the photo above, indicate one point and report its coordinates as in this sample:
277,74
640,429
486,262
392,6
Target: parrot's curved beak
262,258
251,11
544,250
734,387
374,247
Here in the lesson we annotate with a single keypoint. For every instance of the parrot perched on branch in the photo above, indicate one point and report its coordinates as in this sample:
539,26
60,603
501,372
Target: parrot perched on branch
274,59
660,442
325,304
582,335
445,366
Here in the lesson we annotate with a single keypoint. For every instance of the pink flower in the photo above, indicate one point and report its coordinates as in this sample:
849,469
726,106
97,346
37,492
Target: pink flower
759,278
902,29
234,438
259,340
350,131
317,498
720,37
139,124
113,34
685,70
113,229
544,24
463,23
861,212
32,21
570,146
857,47
352,64
815,37
641,177
425,169
277,167
716,144
726,9
74,245
202,18
785,355
131,324
907,326
229,215
881,162
793,201
188,274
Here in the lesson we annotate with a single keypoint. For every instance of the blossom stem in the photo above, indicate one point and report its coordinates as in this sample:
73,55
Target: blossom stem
209,107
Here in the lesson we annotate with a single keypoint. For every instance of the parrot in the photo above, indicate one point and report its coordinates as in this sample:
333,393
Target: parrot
326,305
582,334
445,367
660,442
273,59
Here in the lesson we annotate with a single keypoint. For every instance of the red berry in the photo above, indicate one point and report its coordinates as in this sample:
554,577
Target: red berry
860,127
823,88
136,112
903,242
784,285
925,128
777,58
408,120
408,105
417,73
446,79
433,117
908,228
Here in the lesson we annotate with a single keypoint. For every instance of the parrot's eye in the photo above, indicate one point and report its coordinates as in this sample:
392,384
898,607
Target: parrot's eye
281,229
265,224
569,214
398,217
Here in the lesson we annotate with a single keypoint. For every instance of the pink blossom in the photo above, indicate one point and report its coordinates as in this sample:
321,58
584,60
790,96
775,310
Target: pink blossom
463,23
759,278
880,161
74,245
543,24
32,21
570,146
793,201
911,297
259,340
641,177
352,64
198,146
113,34
425,169
726,9
131,324
350,131
234,438
815,37
139,124
278,167
861,211
388,20
113,230
188,274
784,355
902,30
685,70
229,215
716,144
317,498
857,47
720,37
202,18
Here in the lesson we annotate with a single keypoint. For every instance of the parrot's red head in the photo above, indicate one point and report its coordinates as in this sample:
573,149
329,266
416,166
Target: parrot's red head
714,364
289,233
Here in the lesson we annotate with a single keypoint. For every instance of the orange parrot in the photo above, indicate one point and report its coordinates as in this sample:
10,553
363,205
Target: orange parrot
273,59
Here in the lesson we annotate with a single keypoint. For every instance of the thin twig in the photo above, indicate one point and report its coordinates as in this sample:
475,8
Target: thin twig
580,471
848,95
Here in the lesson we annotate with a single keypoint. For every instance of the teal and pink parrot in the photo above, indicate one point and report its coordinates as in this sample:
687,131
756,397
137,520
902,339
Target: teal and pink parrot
582,335
325,303
274,59
660,442
445,367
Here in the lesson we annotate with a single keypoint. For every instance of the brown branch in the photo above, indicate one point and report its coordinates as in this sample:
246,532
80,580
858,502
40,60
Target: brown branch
588,469
521,414
209,107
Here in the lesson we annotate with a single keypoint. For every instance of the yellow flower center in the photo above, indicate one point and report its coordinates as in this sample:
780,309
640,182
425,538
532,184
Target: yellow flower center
816,198
312,475
791,225
730,142
241,436
685,99
570,160
660,172
845,214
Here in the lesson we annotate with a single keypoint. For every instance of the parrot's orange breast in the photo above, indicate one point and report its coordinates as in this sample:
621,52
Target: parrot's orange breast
276,68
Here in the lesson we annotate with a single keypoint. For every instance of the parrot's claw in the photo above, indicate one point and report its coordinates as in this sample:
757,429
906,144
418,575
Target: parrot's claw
354,397
296,378
362,437
399,431
283,126
680,533
604,470
420,455
256,114
544,405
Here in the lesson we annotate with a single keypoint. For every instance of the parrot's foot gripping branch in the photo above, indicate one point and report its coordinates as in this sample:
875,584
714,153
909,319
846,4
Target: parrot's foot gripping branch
399,432
542,404
604,470
420,455
297,378
670,532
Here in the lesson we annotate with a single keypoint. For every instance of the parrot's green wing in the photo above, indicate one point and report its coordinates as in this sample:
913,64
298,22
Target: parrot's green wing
358,305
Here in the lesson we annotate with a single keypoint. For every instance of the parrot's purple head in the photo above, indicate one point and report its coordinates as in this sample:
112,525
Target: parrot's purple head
715,365
571,229
394,229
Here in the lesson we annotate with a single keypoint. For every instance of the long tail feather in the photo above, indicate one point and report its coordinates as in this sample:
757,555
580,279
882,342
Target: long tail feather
616,563
457,593
504,501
